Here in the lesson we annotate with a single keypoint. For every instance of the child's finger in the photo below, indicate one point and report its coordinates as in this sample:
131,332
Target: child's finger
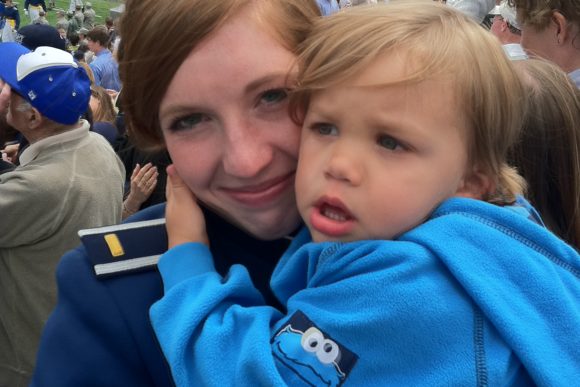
179,191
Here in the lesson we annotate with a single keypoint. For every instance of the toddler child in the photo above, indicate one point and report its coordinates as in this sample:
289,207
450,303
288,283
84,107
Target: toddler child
420,272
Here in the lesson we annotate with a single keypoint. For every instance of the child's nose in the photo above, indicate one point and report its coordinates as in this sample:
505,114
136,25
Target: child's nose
344,166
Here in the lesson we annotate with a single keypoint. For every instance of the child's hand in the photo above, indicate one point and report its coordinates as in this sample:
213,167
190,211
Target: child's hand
184,219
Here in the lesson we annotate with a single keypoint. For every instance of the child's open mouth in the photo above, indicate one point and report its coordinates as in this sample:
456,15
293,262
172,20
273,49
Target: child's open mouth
331,218
335,213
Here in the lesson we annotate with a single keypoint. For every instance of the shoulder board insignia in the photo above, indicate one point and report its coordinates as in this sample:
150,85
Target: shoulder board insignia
125,248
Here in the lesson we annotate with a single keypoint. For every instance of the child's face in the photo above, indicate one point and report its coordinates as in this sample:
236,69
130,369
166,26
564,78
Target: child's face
375,162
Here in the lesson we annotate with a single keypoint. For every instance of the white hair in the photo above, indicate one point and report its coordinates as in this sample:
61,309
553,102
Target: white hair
23,106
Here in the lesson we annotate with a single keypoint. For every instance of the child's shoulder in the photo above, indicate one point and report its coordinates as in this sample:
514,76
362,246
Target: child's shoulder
485,226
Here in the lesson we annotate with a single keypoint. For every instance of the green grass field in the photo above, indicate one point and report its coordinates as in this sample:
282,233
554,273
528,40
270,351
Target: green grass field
101,7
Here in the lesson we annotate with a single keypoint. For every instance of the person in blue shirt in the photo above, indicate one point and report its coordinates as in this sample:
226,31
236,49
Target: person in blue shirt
420,270
175,70
104,65
328,7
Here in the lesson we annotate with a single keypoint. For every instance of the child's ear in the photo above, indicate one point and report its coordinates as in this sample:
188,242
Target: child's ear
476,184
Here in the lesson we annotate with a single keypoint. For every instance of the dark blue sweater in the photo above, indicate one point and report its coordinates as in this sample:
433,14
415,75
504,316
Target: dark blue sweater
99,333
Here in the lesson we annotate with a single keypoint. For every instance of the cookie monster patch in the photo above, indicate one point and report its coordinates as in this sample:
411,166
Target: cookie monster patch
312,355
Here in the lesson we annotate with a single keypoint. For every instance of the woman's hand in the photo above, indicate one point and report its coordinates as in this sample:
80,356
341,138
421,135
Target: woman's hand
10,153
184,219
143,182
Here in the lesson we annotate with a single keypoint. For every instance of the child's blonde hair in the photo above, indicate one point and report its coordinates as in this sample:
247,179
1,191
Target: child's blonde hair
441,42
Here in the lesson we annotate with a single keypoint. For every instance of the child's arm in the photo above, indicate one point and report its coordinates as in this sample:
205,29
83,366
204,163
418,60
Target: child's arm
184,219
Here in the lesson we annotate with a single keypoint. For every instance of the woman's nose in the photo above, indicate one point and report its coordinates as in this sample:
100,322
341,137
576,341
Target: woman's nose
247,151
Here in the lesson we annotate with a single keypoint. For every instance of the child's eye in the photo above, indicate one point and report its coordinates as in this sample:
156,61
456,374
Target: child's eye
325,129
389,142
188,122
273,96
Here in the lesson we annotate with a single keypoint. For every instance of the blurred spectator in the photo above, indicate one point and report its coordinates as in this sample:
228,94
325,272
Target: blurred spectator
90,16
142,184
109,24
82,32
548,153
551,30
102,105
74,41
73,5
61,20
62,33
73,25
8,136
104,114
134,157
68,179
352,3
507,29
140,161
477,9
32,9
11,20
41,19
328,7
36,35
79,56
78,15
104,66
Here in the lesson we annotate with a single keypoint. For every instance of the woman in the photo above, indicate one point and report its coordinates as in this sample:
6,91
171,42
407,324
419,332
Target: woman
104,114
213,76
548,153
550,30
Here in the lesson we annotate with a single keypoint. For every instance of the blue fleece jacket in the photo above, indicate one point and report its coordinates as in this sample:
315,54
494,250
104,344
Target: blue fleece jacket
477,295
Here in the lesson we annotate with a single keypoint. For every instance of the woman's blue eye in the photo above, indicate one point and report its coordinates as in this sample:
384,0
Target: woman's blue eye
274,95
388,142
187,122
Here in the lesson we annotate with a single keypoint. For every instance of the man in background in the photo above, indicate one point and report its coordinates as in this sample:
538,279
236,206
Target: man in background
32,9
506,28
68,179
104,66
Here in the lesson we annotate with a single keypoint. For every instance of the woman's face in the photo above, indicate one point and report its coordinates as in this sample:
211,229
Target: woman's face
226,125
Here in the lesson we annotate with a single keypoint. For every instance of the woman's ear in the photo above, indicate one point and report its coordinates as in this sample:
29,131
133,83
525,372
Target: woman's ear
476,184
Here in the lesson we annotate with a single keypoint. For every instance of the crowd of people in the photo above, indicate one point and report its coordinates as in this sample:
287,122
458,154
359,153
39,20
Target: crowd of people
291,192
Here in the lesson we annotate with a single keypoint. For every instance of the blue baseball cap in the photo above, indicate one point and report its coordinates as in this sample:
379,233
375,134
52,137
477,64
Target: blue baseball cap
47,78
36,35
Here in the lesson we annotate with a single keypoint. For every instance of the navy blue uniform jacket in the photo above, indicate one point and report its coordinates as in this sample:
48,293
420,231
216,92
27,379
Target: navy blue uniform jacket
99,333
